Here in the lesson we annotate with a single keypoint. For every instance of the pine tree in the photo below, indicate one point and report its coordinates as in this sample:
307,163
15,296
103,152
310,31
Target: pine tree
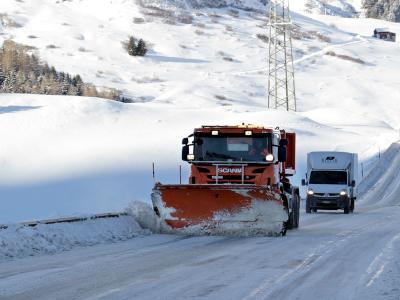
10,82
64,85
78,84
2,77
141,48
132,46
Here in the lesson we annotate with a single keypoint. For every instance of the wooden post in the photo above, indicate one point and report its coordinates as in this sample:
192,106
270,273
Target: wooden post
154,175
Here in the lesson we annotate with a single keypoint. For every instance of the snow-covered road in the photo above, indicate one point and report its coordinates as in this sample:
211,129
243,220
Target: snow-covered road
331,256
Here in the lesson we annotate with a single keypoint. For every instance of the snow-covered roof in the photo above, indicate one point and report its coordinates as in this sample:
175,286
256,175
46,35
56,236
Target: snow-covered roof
383,30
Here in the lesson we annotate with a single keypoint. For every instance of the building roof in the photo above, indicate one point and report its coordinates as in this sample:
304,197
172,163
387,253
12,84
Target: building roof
379,30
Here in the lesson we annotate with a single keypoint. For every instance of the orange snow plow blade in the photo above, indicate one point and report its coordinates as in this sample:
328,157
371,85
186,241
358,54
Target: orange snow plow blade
219,206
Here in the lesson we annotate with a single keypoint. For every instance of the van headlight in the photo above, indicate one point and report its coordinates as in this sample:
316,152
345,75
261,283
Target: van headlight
343,193
310,192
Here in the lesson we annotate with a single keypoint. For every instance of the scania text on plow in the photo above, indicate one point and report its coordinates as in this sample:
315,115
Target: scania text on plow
239,181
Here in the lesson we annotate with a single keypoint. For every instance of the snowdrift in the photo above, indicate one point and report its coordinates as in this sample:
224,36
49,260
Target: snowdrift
19,241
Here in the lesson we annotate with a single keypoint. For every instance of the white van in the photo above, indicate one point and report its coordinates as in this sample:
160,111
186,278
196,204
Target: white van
331,181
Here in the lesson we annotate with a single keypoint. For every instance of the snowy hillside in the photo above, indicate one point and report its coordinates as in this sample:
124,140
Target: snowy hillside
383,9
71,155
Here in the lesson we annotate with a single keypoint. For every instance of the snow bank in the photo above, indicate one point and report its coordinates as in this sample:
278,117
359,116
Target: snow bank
383,182
20,241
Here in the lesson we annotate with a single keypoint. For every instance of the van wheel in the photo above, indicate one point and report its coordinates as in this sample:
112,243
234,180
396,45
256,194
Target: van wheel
308,206
346,208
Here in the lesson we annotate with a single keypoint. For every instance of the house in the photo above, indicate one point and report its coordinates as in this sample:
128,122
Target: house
384,34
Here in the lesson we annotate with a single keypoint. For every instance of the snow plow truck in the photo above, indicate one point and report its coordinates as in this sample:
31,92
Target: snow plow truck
239,180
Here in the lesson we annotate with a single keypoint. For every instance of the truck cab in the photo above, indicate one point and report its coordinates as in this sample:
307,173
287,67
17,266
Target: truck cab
331,181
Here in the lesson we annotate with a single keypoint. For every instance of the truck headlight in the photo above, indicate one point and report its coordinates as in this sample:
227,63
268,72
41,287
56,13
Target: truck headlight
269,158
343,193
310,192
190,157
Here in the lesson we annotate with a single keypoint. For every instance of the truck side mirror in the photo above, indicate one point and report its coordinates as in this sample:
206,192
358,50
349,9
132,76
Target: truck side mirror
303,182
282,154
353,183
185,152
185,141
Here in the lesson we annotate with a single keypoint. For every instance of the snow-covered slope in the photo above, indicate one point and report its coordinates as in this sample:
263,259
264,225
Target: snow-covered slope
343,8
66,155
383,9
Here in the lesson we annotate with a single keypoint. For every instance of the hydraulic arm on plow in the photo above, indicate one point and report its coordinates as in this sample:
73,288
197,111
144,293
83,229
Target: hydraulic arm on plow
239,179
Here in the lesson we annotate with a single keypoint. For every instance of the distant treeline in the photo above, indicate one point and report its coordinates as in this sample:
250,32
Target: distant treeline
22,72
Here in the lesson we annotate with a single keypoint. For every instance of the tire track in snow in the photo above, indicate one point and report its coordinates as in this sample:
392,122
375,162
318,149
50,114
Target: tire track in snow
376,268
320,256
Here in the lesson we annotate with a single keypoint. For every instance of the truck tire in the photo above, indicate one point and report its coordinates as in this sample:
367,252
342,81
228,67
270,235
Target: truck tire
284,229
346,208
314,210
297,211
290,222
308,206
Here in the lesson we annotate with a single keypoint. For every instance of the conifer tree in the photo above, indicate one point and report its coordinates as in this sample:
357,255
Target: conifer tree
141,48
132,46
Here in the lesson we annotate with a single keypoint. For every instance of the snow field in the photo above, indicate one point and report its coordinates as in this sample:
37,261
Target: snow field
66,156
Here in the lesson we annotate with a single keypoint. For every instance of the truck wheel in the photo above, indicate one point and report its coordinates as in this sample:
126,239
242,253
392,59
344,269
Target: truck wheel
314,210
284,225
290,222
308,206
297,219
346,208
352,205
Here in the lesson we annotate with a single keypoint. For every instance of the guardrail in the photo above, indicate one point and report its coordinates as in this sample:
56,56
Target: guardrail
68,220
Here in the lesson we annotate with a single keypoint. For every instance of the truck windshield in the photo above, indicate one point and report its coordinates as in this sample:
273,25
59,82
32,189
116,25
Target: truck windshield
225,148
328,177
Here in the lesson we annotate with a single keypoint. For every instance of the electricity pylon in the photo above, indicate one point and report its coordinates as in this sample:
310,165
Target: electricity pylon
281,86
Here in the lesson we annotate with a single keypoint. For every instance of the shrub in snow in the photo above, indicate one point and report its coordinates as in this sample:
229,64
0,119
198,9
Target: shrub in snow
141,48
138,20
346,57
136,47
185,19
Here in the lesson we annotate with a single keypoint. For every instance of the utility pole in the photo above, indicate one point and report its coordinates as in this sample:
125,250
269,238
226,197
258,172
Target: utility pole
281,86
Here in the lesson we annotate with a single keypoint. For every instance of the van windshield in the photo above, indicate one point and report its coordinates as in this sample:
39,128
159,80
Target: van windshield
328,177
